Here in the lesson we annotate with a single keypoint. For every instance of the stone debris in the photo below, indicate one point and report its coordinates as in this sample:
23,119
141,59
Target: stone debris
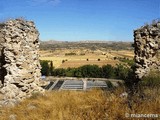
147,48
19,59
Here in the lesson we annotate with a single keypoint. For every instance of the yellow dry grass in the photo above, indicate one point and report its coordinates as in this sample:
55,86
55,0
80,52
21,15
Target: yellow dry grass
123,53
78,105
78,63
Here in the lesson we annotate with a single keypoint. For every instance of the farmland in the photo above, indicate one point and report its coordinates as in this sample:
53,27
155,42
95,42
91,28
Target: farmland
71,55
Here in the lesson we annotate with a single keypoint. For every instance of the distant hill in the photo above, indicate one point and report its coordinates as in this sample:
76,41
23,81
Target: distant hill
93,45
51,42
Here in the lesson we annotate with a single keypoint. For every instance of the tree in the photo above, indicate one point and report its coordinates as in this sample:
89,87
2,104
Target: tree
108,71
59,72
90,71
121,71
70,72
51,68
63,61
77,73
45,67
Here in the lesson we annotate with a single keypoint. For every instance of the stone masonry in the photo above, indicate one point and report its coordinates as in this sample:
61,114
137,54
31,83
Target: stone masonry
1,57
19,61
147,48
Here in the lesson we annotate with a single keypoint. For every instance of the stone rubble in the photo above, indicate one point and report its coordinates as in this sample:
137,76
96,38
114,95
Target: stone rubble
147,48
20,42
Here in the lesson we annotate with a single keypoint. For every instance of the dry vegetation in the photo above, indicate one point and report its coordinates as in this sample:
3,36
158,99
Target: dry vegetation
78,63
90,105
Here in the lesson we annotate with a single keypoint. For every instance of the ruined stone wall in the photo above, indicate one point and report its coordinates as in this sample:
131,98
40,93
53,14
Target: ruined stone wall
1,47
20,49
147,49
1,56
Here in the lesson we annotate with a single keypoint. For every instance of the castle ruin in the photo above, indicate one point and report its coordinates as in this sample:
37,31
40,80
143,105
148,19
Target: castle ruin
147,49
19,58
19,61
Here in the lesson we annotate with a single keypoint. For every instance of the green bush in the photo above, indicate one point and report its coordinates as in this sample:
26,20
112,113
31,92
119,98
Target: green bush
126,60
121,71
108,71
59,72
45,67
70,53
90,71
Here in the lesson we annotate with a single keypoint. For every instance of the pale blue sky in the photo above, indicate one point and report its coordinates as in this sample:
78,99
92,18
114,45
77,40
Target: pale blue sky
72,20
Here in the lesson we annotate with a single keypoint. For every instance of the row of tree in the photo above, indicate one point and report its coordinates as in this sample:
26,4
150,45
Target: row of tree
120,71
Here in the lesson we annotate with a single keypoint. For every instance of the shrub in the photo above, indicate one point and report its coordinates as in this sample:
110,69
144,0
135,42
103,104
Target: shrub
121,71
45,67
63,61
115,58
90,71
82,54
59,72
70,53
109,84
108,71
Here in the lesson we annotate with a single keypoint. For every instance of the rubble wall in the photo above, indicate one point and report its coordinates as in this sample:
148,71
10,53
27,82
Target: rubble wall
2,71
147,49
1,47
20,50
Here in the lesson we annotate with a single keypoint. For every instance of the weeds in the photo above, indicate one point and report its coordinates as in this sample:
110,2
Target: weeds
79,105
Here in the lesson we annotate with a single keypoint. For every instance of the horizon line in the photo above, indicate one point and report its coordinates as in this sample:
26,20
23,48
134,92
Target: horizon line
87,40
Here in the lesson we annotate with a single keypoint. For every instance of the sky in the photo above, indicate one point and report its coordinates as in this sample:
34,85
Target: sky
76,20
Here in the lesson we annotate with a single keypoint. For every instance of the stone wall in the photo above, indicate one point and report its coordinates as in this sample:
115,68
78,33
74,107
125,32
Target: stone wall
147,49
1,47
21,61
2,71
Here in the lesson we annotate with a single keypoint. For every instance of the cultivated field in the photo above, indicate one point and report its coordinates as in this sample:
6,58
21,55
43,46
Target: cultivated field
62,59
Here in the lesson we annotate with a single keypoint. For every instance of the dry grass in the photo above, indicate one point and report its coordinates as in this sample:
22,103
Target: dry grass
78,105
123,53
78,63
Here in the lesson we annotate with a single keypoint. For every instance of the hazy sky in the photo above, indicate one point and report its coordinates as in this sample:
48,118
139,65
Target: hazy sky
72,20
